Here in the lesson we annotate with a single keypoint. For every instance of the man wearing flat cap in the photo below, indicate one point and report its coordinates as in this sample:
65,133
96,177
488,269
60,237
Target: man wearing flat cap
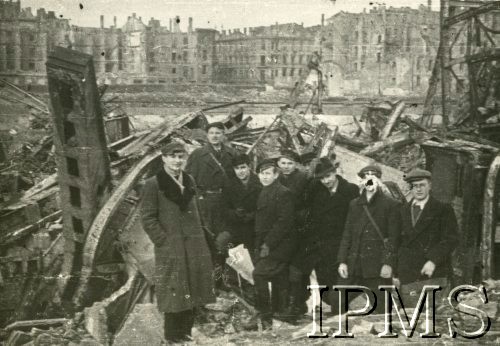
274,244
429,233
327,204
211,167
368,250
183,266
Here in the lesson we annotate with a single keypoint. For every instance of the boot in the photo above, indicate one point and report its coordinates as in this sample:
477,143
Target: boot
295,308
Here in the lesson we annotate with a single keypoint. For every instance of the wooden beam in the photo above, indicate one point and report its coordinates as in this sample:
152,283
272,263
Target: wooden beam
396,113
395,141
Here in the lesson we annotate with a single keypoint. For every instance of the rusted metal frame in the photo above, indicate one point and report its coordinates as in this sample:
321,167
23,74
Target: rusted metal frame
489,219
485,28
480,25
459,81
487,7
457,35
278,118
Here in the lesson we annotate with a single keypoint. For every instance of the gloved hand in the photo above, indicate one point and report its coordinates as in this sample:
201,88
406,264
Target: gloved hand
343,272
264,250
222,240
428,268
386,271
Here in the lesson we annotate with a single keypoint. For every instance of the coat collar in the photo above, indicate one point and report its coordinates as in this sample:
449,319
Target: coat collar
430,210
172,191
362,199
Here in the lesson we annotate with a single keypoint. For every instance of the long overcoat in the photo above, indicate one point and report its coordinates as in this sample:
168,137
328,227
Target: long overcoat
327,214
183,265
237,196
362,248
433,238
274,222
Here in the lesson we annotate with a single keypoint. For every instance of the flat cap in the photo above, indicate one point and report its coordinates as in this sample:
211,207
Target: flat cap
173,147
265,164
240,159
372,168
417,174
324,167
216,124
290,154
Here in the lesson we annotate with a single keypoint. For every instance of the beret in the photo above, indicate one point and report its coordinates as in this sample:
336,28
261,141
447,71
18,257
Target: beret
173,147
417,174
265,164
373,168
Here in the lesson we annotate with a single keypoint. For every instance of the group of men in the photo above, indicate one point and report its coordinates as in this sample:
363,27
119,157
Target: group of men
291,222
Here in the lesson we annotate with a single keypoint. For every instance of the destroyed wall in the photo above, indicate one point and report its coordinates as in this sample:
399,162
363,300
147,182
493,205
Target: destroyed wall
390,50
275,55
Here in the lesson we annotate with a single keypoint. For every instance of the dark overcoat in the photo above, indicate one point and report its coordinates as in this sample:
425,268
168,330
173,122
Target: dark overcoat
326,219
183,265
296,182
236,195
362,248
433,238
208,174
274,224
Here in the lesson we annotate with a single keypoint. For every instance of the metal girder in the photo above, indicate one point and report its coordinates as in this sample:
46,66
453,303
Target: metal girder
466,3
487,55
487,7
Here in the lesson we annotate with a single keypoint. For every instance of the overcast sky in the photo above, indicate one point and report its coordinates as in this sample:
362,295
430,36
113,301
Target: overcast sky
210,13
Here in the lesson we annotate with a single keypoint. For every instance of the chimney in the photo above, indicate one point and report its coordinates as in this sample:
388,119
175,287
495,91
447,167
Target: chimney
229,31
170,24
302,24
102,21
114,21
140,19
245,31
133,15
322,19
177,21
190,25
429,4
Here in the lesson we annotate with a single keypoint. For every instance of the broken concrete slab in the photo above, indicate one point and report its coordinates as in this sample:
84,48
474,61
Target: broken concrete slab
144,326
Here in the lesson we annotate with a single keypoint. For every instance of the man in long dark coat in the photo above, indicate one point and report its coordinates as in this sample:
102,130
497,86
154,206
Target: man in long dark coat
275,243
239,203
183,267
327,203
294,179
429,233
368,250
210,166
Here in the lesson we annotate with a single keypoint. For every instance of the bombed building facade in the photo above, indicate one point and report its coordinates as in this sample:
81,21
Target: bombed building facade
274,54
383,51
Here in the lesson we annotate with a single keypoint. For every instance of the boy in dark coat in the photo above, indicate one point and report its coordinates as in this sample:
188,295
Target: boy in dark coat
429,233
183,267
368,250
239,203
275,243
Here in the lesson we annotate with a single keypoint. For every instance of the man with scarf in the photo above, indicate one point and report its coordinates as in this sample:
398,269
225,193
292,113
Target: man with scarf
183,267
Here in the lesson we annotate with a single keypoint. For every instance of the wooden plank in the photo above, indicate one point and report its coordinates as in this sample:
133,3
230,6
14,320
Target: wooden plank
396,113
395,141
41,324
14,235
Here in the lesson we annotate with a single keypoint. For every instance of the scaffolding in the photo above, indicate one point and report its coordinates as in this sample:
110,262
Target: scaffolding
469,37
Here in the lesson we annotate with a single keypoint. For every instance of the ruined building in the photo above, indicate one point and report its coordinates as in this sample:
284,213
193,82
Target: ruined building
383,51
275,54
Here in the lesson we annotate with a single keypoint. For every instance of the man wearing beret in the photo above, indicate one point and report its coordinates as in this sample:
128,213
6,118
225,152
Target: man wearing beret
239,202
211,167
429,233
274,244
183,267
327,203
368,250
